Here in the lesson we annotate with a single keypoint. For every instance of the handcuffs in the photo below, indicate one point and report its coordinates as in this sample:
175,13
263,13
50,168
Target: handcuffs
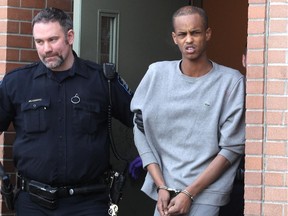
174,192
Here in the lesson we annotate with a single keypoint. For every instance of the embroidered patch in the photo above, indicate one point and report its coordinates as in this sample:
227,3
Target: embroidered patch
124,85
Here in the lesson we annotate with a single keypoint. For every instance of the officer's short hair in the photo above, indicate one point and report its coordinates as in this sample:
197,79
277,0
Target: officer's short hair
54,15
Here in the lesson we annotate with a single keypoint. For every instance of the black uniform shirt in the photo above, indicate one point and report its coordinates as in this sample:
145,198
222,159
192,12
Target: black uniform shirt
61,122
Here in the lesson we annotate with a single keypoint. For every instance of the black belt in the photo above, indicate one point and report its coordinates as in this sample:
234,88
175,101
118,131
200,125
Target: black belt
63,191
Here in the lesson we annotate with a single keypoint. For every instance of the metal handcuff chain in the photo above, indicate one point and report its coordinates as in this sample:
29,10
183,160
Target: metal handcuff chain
174,192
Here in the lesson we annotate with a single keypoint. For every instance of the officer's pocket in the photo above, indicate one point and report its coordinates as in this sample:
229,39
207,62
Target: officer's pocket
87,117
34,112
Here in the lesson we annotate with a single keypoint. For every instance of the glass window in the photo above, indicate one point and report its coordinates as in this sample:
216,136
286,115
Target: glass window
108,37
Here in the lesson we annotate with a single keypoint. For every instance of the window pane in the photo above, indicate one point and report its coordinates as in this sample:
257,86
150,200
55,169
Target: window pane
108,37
105,39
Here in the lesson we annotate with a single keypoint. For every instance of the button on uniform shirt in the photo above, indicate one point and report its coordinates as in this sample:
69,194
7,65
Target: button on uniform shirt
61,120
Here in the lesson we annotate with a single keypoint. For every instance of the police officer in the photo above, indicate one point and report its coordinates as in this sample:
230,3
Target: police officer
59,107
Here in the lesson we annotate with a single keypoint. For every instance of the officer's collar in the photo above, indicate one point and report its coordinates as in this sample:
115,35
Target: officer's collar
77,68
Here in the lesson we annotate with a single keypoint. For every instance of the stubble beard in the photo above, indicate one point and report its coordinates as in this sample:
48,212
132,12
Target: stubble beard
54,64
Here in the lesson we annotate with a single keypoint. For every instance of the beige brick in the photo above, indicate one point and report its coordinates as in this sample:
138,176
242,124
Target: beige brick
255,72
276,87
276,164
255,57
276,148
253,193
254,117
254,132
256,27
277,72
276,194
254,102
278,41
253,178
253,148
277,103
253,163
252,208
274,179
273,209
278,11
256,11
274,117
277,133
277,56
254,87
278,26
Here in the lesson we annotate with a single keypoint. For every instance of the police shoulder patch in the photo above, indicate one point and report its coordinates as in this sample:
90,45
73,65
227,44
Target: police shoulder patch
122,82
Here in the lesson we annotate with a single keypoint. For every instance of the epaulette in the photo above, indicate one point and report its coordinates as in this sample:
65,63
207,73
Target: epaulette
28,66
92,65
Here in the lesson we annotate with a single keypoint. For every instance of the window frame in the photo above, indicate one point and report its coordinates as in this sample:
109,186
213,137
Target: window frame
114,36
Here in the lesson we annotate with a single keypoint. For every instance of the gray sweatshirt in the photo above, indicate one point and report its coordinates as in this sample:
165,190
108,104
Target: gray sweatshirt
188,121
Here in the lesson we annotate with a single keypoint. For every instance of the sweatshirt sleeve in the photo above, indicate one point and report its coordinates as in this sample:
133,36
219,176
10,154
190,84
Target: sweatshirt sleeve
143,148
139,101
232,123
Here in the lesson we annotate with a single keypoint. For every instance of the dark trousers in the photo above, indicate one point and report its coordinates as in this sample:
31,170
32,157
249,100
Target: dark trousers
236,205
89,205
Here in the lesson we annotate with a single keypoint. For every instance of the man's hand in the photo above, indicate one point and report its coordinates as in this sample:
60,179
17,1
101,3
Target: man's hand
179,205
163,202
139,121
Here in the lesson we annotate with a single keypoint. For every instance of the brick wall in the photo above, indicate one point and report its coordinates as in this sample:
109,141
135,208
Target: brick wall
266,178
17,49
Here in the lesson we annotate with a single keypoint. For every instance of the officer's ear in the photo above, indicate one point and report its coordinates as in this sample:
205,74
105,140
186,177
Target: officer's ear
70,36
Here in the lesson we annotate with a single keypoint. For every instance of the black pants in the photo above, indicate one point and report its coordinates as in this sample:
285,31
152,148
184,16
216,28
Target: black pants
89,205
236,205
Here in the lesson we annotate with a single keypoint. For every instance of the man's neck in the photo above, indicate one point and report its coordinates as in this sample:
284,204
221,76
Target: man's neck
196,68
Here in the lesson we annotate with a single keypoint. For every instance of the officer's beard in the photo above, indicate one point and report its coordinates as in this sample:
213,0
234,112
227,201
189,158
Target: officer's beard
54,64
59,59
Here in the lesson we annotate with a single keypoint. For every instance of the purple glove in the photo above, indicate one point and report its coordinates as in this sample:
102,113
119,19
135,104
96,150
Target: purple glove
135,168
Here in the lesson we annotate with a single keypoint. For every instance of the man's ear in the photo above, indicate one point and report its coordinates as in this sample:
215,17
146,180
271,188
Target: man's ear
208,34
244,61
70,36
174,37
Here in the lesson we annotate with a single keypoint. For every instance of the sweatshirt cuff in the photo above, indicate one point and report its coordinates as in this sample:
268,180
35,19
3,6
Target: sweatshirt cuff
148,158
229,155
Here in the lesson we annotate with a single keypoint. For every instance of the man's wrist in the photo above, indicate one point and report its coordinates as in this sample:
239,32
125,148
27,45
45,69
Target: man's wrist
188,194
162,187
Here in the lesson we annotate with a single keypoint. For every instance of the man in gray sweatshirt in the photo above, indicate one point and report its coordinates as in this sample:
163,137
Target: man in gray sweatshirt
193,116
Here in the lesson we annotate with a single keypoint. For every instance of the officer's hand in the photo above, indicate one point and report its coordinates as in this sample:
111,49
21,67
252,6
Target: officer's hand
135,168
139,121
